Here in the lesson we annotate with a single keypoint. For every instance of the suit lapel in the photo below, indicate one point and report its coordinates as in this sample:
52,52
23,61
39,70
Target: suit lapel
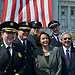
63,55
18,41
72,55
42,57
51,55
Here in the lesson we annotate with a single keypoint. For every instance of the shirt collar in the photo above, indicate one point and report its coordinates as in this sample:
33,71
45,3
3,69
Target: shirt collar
67,49
7,45
57,36
20,40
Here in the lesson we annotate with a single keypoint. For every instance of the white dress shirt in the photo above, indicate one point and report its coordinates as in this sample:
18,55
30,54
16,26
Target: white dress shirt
10,49
58,37
22,41
67,49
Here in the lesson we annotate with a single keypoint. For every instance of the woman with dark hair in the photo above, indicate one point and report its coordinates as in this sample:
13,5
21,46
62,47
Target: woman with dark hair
47,60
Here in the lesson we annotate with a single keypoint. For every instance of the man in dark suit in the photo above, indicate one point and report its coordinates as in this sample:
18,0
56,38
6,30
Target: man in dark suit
67,52
55,37
36,25
25,46
10,60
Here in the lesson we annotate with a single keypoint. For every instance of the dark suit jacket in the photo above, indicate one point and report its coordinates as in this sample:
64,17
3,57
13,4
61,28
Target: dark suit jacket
42,67
54,42
71,69
32,39
27,55
10,66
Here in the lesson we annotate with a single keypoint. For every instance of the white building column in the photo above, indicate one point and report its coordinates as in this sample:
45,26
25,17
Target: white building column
55,9
59,15
0,9
69,26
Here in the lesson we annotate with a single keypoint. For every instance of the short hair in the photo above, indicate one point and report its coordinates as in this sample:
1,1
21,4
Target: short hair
38,38
65,33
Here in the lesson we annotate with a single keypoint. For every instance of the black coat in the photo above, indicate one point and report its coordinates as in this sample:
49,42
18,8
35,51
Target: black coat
32,39
27,55
71,69
54,42
10,65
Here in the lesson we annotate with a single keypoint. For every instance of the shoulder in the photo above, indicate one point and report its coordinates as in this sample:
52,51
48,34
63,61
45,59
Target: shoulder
29,42
16,40
73,49
55,49
1,44
37,51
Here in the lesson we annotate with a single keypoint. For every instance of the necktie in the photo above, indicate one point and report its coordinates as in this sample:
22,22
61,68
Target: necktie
8,51
57,38
24,45
67,57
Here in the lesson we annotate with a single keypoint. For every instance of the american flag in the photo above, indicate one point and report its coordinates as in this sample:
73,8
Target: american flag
27,10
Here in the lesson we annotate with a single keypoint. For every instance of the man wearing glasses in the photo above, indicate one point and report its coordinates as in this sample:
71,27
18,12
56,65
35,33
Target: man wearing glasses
55,37
25,46
67,52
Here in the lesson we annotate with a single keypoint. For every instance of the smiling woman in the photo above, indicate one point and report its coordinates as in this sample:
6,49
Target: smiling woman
47,59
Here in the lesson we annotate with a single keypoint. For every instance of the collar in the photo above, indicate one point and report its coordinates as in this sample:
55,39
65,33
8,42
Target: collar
20,40
7,45
57,36
66,49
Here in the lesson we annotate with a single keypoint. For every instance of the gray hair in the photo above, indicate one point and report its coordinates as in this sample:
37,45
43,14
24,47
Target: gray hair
65,33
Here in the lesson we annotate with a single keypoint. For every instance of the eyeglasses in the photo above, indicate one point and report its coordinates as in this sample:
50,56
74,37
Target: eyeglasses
67,38
36,28
26,30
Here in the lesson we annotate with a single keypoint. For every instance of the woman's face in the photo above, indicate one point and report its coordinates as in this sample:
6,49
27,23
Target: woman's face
44,40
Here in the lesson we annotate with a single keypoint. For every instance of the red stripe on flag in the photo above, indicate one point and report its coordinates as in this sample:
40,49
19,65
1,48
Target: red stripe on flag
36,10
13,10
28,11
5,6
20,12
43,13
50,10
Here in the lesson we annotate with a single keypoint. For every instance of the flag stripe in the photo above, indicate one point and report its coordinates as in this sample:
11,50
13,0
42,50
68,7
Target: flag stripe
8,15
32,11
50,10
39,12
43,13
13,10
27,10
36,10
20,12
5,5
24,11
46,11
16,11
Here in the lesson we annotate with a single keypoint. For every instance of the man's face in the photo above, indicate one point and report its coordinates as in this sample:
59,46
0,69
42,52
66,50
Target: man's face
23,34
8,37
55,30
66,40
34,31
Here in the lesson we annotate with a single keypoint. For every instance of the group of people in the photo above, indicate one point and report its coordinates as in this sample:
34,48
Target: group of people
25,50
